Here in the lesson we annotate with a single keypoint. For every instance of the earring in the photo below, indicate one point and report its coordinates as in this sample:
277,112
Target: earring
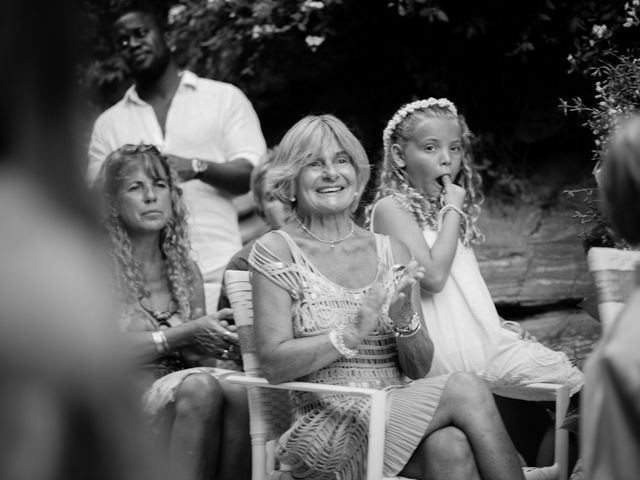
292,199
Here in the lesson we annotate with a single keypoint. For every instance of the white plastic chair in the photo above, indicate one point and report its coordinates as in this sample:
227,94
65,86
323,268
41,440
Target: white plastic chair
270,411
613,273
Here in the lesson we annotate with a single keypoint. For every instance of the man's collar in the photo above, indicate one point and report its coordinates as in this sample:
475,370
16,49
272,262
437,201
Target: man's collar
187,79
131,95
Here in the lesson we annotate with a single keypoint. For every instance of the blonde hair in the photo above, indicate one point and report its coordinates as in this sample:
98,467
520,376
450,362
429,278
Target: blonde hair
174,237
305,140
393,180
258,178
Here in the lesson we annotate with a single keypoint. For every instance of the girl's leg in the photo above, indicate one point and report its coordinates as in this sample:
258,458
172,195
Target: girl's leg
198,410
467,404
443,455
233,464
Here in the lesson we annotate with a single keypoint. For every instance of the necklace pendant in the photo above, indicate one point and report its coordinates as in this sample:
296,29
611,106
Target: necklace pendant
333,245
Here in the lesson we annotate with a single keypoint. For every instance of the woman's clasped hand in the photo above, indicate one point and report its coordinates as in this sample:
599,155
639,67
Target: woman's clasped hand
213,336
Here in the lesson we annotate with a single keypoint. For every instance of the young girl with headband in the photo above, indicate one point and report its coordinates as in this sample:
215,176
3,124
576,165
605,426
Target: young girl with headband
429,197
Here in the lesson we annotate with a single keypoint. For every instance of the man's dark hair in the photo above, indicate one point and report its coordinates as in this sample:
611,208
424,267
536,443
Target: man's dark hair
157,10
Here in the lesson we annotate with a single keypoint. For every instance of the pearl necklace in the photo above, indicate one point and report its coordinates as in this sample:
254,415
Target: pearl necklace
332,243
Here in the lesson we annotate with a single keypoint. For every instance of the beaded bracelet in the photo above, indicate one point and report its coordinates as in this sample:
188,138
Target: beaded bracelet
450,206
337,339
411,329
160,340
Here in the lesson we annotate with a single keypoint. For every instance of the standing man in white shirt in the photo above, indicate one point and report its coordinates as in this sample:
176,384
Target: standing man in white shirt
208,129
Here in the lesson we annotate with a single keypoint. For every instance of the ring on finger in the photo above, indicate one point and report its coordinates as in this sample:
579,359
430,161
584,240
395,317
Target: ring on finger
226,336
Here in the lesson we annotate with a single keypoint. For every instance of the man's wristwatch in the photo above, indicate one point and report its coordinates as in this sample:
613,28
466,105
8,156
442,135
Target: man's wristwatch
198,166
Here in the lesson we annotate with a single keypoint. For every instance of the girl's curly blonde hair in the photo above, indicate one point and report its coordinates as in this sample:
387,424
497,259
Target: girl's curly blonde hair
173,238
393,180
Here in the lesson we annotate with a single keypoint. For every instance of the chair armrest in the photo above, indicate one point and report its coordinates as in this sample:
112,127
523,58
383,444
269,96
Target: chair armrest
242,379
535,392
377,421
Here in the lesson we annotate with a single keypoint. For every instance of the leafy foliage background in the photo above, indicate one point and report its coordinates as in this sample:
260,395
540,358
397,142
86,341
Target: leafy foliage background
505,64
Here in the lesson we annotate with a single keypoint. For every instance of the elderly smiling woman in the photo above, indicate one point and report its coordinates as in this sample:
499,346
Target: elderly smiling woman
163,314
336,303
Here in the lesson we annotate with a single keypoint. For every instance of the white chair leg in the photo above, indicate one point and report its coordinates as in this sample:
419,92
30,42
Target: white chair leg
258,459
375,454
561,453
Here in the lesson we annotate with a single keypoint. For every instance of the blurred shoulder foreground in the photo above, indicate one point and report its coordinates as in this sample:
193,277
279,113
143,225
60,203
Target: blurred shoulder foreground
65,408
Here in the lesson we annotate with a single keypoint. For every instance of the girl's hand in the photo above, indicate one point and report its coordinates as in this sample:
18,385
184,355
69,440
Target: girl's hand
401,309
453,194
212,338
523,334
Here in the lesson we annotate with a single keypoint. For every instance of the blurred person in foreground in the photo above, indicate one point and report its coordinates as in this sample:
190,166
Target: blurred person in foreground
274,212
344,303
610,419
208,130
66,409
163,312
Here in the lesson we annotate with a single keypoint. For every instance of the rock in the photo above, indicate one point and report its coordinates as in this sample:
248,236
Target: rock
533,255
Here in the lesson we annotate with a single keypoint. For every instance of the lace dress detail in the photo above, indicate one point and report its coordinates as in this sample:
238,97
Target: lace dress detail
329,436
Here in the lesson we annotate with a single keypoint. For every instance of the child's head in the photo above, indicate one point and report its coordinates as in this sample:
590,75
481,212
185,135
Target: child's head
304,142
427,132
268,206
620,180
424,141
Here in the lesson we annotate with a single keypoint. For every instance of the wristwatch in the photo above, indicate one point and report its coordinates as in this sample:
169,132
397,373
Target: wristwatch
198,166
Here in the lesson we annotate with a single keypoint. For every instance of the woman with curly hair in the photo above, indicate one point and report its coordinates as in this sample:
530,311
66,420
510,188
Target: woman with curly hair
163,313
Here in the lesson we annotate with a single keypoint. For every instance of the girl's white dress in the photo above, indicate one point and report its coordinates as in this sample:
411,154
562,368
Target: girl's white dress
465,327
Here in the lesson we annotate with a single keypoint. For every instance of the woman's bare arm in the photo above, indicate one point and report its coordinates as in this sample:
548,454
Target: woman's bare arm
415,353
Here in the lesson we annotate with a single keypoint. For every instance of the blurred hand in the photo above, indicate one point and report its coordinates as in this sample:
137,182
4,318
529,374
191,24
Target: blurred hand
367,319
453,194
401,309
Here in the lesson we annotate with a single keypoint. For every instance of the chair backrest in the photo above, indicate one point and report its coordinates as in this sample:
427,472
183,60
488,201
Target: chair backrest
270,410
614,275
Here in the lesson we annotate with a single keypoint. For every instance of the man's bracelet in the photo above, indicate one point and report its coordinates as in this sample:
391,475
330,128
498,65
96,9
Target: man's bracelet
198,166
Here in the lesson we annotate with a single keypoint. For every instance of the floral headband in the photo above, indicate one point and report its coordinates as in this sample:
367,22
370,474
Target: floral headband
409,108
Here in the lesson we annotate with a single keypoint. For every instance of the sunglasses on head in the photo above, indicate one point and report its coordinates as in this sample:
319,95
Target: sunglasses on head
130,149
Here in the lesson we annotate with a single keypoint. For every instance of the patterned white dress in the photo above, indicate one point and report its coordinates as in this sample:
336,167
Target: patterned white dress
329,436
